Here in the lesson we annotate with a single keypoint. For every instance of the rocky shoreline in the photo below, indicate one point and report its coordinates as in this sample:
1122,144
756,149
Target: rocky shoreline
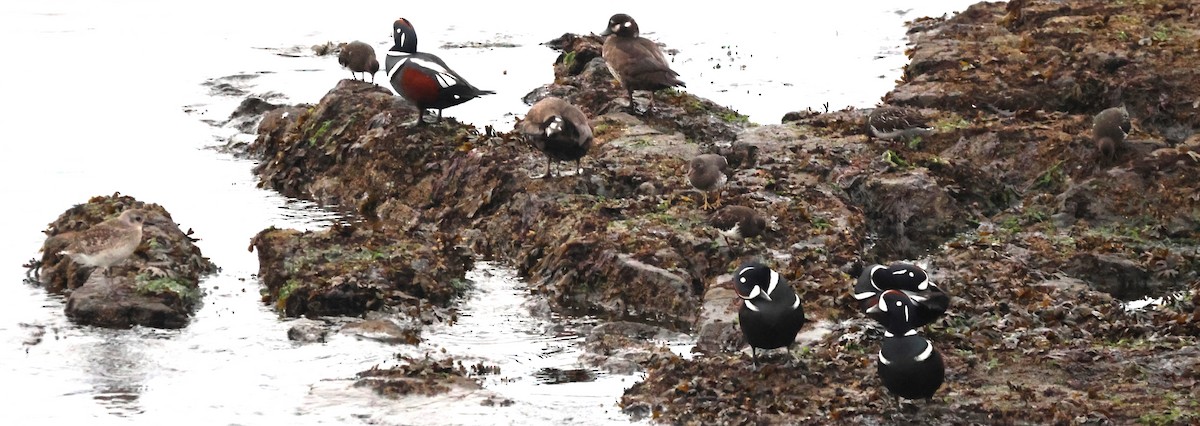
158,286
1038,240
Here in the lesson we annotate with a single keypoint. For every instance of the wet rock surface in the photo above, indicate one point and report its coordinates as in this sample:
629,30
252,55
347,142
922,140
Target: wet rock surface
1038,240
157,286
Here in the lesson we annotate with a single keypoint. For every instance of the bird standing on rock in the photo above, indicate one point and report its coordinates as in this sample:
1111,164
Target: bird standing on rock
908,364
894,123
737,222
109,242
558,129
930,302
636,62
359,57
771,314
422,78
1109,129
707,173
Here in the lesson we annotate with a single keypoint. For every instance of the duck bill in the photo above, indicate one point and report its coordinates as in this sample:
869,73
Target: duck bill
607,31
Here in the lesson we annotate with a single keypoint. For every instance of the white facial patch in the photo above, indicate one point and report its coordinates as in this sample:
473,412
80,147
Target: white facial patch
628,24
872,275
555,127
743,270
864,295
884,360
774,282
925,355
755,292
750,305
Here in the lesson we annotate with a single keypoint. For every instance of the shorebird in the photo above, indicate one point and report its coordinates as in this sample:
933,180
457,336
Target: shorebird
1109,129
707,173
109,242
359,57
893,123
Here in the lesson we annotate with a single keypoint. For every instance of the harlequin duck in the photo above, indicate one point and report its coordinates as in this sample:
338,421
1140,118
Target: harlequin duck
908,364
737,222
636,62
931,302
359,57
707,173
771,314
1109,129
559,129
422,78
893,123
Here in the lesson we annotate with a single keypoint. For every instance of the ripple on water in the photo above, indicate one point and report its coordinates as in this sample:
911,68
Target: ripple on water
540,379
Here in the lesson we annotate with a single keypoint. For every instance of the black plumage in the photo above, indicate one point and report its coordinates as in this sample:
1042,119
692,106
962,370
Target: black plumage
771,314
908,364
930,301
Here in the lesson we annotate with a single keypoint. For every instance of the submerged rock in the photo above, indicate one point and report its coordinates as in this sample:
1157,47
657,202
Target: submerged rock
157,286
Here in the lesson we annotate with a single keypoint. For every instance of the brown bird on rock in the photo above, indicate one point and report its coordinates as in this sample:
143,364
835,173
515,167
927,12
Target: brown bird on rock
359,57
707,173
108,243
558,129
896,123
1109,129
636,62
738,222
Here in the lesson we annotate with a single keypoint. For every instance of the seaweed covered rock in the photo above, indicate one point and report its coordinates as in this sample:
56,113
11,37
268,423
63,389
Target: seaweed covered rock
351,269
156,286
418,376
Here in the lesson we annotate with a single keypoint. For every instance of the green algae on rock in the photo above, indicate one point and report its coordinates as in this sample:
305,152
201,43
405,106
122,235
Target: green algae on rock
350,269
157,286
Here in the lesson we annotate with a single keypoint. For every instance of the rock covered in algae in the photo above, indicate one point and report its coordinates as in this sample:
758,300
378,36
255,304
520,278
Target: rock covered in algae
157,286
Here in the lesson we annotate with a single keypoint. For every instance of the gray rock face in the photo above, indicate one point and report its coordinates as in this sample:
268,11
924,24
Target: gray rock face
114,303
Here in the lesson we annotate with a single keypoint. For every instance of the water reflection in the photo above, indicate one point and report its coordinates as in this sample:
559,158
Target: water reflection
118,367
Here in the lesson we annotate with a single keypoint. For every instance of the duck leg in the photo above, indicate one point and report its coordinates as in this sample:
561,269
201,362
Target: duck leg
549,173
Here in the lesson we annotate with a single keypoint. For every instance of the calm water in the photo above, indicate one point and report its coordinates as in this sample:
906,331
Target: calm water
106,96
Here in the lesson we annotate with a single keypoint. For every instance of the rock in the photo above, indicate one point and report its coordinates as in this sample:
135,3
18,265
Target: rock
353,269
158,286
308,331
624,347
383,330
1115,275
911,212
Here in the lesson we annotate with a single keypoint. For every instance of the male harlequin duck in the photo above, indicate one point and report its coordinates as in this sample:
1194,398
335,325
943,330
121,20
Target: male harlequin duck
422,78
908,364
707,173
737,222
559,129
359,57
931,302
637,63
771,314
1109,129
897,123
